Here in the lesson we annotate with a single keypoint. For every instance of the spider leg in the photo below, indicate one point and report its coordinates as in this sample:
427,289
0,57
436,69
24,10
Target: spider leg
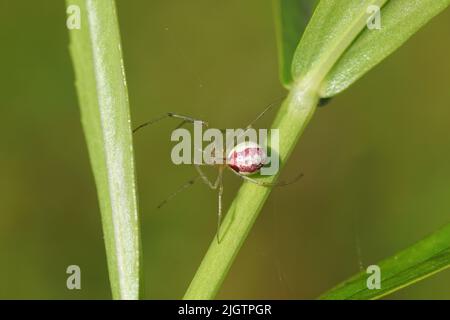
218,184
205,179
267,184
173,194
250,125
185,119
219,211
270,106
188,184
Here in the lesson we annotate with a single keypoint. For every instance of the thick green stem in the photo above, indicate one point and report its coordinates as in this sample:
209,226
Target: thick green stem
294,115
102,92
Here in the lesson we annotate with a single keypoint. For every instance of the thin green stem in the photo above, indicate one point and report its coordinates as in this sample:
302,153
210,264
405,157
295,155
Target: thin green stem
294,115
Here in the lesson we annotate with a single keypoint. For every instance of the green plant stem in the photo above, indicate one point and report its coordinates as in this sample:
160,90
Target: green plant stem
103,97
292,118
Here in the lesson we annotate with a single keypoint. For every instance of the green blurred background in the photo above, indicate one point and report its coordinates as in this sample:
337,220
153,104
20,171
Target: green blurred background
376,159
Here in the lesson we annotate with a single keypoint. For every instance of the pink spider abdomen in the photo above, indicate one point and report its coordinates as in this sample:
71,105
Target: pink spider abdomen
247,158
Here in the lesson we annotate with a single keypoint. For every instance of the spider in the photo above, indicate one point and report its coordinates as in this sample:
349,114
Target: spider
245,159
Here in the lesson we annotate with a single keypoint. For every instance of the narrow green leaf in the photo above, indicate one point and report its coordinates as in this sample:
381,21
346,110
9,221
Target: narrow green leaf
291,18
400,19
333,27
103,97
415,263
